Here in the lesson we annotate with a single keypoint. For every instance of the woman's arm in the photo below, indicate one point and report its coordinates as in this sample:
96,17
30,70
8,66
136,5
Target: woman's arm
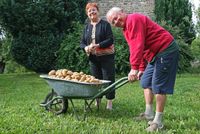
106,39
83,42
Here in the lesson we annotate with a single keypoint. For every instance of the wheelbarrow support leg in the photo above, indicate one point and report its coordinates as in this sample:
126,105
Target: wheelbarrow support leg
73,107
86,108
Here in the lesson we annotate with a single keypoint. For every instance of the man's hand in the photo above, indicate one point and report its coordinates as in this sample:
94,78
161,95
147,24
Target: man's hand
139,75
133,75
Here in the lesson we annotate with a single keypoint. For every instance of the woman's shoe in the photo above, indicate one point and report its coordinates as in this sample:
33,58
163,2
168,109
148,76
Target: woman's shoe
97,102
109,105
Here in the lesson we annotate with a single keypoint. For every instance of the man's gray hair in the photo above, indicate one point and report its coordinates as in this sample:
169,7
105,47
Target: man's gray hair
113,10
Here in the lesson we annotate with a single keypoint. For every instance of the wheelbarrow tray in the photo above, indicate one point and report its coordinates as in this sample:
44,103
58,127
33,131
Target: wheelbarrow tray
73,89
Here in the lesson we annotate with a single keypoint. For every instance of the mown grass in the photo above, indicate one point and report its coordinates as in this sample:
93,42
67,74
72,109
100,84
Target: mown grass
20,95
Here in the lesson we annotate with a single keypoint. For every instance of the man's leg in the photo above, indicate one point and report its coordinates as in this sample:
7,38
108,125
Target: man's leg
146,84
148,114
163,80
160,104
148,95
157,122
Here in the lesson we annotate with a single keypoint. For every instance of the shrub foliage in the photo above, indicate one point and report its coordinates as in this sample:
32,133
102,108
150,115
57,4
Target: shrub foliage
176,17
122,64
37,27
195,47
70,55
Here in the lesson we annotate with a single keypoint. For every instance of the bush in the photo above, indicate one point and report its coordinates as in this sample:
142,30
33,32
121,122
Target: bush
185,52
70,55
185,57
37,28
36,52
13,67
122,64
195,47
10,66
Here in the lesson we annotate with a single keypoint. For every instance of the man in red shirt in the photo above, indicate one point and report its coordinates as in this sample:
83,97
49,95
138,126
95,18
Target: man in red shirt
153,59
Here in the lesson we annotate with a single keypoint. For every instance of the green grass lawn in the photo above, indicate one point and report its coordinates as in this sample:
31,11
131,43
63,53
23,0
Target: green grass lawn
20,95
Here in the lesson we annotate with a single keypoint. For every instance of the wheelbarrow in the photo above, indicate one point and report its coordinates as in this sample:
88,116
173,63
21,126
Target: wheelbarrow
64,90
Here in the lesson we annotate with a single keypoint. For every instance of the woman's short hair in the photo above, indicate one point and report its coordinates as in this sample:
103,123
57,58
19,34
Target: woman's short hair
91,4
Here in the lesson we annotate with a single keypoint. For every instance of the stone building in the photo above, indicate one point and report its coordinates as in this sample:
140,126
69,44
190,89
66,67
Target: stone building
141,6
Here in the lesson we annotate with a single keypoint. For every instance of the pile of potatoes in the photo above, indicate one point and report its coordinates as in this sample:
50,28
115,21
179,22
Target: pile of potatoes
73,76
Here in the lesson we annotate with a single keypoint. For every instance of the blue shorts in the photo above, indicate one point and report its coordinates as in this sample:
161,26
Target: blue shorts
161,74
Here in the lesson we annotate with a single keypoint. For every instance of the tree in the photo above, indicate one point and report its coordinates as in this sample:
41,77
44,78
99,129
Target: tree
2,54
198,21
195,47
37,28
176,13
2,62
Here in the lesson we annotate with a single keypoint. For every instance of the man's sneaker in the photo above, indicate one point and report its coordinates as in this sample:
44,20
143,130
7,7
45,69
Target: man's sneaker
143,116
154,126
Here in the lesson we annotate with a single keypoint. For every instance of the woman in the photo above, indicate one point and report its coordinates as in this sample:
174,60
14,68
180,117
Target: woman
97,42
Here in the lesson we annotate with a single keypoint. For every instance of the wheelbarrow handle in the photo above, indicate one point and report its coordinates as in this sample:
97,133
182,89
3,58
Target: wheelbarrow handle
122,82
119,83
113,86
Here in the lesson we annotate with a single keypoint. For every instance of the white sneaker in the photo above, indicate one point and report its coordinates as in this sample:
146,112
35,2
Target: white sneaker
109,105
143,116
154,126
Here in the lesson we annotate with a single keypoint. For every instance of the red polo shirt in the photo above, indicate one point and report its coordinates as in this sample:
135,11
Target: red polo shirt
145,39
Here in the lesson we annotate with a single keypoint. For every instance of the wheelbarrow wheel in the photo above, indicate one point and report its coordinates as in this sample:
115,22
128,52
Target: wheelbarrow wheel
57,105
48,98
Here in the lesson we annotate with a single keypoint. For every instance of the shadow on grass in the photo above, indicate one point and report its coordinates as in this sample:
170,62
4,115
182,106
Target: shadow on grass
120,110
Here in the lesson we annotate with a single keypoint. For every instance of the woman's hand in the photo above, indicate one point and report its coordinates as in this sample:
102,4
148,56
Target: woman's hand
95,45
87,50
92,47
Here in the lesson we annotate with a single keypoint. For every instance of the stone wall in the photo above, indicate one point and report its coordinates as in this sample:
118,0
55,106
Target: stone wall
141,6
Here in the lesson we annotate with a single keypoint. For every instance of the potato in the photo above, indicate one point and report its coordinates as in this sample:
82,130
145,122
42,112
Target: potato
83,78
69,72
64,72
68,78
58,72
73,76
52,72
